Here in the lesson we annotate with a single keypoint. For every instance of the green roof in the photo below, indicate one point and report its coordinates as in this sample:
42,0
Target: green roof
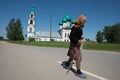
60,23
66,18
72,21
32,10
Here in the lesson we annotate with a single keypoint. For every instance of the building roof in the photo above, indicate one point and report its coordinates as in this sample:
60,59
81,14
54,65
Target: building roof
60,23
32,10
66,18
47,34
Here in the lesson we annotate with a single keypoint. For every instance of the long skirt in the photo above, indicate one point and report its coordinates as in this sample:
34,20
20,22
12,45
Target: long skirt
74,52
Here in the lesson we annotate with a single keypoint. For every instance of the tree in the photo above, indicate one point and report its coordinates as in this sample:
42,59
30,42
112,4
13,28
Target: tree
99,36
112,33
1,38
87,39
14,30
116,33
107,33
19,32
10,29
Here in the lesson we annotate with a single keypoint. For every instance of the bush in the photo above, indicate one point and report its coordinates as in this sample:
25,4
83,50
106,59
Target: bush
31,39
52,40
1,38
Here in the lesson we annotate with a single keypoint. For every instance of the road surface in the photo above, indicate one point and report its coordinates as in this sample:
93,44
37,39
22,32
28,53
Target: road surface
20,62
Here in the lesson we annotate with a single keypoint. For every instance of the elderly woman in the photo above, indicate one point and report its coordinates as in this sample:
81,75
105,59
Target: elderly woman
76,40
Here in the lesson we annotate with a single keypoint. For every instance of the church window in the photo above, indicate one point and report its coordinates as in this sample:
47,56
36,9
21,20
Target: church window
67,40
65,34
31,21
31,15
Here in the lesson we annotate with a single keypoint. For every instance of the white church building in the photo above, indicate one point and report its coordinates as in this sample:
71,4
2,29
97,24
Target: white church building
62,35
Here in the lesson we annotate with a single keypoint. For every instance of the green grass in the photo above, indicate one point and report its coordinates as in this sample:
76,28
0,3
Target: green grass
102,46
87,45
46,44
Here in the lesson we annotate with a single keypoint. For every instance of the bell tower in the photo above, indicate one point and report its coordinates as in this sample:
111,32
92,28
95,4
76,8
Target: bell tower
31,24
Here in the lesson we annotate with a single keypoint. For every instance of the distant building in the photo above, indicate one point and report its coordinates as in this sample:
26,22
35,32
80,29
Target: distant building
62,34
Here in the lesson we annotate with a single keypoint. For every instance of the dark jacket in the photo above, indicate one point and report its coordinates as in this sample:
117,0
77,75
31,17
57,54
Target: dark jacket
75,35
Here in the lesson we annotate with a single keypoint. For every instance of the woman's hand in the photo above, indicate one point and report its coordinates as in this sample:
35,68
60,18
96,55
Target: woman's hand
80,41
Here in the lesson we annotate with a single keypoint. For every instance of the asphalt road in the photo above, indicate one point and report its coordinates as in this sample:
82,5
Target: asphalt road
20,62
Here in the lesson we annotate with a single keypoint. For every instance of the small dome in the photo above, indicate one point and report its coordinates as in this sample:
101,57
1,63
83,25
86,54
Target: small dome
68,17
32,9
64,20
60,23
72,21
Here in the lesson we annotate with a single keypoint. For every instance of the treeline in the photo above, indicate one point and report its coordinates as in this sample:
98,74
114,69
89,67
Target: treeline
110,34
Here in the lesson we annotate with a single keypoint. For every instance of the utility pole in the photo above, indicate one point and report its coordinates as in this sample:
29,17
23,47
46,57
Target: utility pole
50,28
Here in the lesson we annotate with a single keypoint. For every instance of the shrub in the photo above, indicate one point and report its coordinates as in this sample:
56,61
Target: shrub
31,39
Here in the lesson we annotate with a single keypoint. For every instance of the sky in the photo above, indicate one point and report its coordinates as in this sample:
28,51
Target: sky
100,13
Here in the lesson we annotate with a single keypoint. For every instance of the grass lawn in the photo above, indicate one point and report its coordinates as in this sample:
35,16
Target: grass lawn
87,45
102,46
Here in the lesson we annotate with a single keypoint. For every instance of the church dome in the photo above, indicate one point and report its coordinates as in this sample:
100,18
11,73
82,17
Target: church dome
64,19
72,21
32,10
60,23
68,17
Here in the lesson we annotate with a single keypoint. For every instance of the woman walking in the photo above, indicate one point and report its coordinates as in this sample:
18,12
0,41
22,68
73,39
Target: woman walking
76,39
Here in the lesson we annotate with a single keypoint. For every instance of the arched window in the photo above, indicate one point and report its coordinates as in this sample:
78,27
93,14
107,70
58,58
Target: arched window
31,15
31,21
65,34
67,40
